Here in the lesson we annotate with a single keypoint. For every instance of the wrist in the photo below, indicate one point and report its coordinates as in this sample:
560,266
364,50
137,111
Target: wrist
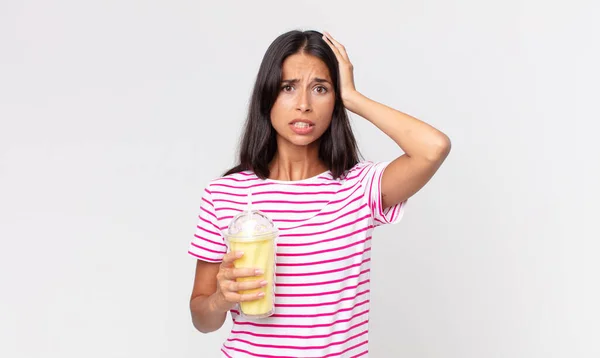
217,304
353,100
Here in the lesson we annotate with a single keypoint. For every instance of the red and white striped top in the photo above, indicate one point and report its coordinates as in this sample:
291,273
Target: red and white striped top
323,259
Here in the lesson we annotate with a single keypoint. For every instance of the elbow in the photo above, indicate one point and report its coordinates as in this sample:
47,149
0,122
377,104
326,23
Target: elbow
440,148
204,319
202,327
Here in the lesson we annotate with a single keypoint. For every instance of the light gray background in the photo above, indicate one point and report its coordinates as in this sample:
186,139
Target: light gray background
115,114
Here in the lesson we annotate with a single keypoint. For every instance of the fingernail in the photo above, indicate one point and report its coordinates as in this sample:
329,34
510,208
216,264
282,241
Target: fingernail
258,272
262,294
263,283
239,253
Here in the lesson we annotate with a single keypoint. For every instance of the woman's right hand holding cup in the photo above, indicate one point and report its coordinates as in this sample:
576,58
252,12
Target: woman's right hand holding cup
227,294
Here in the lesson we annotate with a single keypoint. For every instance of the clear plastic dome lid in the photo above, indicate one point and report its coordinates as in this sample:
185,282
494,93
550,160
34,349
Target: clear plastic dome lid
250,224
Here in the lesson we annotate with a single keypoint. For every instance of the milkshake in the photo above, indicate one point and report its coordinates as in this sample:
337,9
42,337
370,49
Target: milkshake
255,234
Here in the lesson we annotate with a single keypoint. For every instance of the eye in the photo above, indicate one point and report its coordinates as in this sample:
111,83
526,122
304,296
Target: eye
286,88
321,89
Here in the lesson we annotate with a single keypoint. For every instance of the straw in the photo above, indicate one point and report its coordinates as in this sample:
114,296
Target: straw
249,204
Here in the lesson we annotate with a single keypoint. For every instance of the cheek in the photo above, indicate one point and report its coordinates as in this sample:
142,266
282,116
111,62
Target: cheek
280,107
326,107
279,117
276,111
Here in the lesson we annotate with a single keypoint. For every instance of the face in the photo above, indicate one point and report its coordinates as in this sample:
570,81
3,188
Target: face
303,109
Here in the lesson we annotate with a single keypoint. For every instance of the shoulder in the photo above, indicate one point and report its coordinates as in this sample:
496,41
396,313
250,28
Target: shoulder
365,172
360,170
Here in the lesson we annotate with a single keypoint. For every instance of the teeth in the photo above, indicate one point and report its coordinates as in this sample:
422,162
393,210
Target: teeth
301,125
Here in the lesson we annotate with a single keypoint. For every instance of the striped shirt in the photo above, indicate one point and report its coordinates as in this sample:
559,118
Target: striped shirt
323,259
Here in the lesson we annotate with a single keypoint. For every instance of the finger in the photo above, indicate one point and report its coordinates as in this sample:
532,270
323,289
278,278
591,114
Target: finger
247,285
230,257
232,297
341,49
340,54
251,296
236,297
335,50
334,41
242,272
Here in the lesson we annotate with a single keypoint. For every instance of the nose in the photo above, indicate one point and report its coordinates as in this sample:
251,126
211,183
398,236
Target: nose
304,104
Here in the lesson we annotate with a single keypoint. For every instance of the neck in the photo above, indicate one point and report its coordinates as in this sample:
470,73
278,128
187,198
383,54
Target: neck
292,162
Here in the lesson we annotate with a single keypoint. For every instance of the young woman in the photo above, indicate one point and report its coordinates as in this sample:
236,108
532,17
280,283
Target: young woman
299,157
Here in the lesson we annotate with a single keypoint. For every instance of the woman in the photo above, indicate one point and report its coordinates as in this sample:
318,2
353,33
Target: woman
299,156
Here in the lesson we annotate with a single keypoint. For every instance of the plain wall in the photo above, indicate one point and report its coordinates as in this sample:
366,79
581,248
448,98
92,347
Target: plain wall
115,114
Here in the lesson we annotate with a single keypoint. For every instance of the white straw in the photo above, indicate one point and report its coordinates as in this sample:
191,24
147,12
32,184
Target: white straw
249,202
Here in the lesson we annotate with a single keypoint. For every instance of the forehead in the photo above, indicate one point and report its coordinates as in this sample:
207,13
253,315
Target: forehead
304,66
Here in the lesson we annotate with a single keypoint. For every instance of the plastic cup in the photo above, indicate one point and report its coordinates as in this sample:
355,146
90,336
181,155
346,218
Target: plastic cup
254,233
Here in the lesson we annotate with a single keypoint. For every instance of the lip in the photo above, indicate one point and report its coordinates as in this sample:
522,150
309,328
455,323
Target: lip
311,123
302,131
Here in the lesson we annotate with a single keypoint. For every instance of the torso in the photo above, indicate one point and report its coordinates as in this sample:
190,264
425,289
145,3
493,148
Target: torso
323,264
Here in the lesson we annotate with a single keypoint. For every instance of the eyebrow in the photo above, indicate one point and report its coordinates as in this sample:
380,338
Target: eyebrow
316,79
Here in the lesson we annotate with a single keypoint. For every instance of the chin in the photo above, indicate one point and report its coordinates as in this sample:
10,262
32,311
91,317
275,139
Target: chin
301,141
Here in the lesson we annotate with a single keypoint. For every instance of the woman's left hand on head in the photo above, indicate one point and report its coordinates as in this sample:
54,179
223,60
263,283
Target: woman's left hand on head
347,87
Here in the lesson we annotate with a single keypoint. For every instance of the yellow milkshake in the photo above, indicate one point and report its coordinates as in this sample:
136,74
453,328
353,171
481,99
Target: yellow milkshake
258,254
255,234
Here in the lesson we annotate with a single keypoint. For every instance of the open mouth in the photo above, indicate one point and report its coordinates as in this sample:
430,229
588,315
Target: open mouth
302,127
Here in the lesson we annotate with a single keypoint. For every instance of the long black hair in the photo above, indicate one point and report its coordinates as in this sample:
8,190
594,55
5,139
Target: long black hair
258,145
